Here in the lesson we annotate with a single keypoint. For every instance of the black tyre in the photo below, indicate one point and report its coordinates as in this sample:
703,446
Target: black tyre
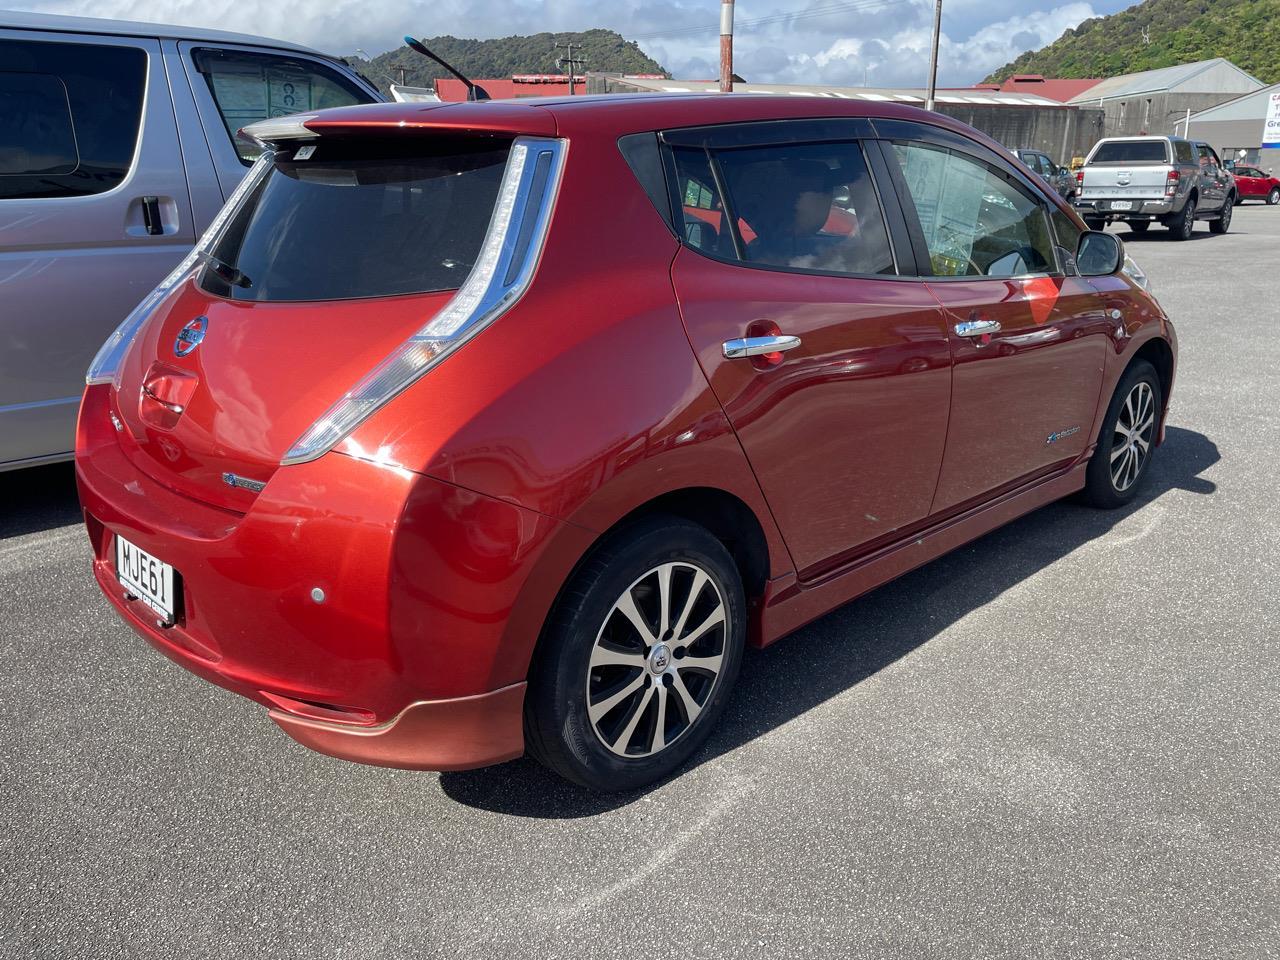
1183,222
1139,226
1274,196
1128,438
1223,223
639,657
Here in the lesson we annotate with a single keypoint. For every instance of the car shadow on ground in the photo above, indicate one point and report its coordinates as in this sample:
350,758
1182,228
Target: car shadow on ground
847,646
37,499
1159,234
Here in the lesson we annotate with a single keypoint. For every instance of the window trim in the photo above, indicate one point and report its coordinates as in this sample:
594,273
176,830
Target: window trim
893,230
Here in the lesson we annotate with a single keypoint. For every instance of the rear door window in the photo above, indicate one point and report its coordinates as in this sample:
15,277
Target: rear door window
974,221
69,117
1182,150
1132,151
360,218
809,207
248,87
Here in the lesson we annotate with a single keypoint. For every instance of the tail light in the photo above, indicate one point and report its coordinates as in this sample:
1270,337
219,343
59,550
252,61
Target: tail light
1171,182
1079,178
502,273
106,363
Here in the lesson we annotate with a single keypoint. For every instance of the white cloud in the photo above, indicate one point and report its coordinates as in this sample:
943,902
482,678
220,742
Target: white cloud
886,42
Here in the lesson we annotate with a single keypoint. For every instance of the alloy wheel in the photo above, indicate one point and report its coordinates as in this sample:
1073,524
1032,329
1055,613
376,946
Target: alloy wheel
1131,438
1274,196
656,659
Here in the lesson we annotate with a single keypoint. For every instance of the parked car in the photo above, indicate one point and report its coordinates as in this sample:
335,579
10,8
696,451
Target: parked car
1146,180
1060,178
116,151
485,472
1253,184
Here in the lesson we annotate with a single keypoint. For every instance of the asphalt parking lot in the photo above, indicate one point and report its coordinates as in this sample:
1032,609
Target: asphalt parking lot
1060,741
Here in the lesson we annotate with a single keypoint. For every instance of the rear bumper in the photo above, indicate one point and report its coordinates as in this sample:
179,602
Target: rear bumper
1149,209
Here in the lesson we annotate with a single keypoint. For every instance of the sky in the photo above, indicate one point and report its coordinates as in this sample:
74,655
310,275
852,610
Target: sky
847,42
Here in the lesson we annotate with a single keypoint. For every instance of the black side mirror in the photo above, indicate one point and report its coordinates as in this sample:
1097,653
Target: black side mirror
1099,254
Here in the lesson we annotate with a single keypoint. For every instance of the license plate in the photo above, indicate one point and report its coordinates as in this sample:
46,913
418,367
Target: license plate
149,579
1121,204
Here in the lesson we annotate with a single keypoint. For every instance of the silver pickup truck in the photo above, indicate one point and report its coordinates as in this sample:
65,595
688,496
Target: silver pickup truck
1145,180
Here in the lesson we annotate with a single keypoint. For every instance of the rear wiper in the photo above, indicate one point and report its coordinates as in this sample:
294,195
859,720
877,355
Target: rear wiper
224,271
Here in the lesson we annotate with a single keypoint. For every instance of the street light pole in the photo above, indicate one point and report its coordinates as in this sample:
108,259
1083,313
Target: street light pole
726,46
933,55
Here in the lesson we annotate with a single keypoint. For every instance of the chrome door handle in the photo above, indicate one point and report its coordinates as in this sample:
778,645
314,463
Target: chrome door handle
977,328
174,408
756,346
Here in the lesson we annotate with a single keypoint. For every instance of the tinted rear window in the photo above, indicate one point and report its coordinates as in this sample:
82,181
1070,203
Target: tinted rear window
1132,151
358,220
69,117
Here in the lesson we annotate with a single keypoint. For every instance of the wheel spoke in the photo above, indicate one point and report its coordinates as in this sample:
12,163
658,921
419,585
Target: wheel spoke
687,703
619,745
597,711
627,607
603,656
715,617
1117,452
1143,445
660,725
699,581
710,664
664,597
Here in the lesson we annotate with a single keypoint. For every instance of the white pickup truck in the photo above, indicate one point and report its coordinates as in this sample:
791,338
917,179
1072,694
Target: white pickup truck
1145,180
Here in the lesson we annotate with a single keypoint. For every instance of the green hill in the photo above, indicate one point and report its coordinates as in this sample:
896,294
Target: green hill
1246,32
601,49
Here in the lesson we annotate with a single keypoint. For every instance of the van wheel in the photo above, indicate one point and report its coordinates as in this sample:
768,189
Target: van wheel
1274,196
638,660
1223,223
1184,222
1139,226
1127,440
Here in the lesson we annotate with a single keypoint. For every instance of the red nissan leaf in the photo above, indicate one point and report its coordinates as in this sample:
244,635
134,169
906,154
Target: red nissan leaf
479,429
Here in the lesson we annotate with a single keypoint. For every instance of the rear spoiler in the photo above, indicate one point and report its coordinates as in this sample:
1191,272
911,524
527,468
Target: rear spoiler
483,119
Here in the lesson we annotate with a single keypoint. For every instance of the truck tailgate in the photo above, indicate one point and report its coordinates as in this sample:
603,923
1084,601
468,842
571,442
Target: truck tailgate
1146,182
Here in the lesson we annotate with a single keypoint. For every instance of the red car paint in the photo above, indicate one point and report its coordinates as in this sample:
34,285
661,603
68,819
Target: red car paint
1254,184
440,532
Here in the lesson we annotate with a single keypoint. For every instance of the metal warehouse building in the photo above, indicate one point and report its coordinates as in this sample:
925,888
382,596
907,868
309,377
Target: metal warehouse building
1016,120
1236,126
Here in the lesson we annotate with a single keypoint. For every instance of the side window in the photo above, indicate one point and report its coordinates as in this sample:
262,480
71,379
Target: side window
1182,151
807,207
700,208
975,223
248,87
1043,165
69,117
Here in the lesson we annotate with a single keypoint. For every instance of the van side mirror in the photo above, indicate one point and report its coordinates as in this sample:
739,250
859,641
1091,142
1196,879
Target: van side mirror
1099,254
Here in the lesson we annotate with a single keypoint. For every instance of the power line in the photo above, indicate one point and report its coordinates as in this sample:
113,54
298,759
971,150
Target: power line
846,7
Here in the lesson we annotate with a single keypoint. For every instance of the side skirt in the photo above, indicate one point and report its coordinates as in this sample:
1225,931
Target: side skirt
789,604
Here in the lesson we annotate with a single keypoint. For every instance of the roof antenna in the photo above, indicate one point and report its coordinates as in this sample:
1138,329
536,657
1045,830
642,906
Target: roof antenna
474,90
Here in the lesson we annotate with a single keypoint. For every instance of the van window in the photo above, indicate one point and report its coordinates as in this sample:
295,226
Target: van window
1131,151
69,117
359,218
809,207
248,87
975,223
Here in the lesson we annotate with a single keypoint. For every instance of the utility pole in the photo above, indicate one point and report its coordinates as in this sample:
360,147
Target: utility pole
726,46
933,56
570,61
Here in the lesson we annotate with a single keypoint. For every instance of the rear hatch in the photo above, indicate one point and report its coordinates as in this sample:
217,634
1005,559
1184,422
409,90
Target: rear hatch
1124,169
342,251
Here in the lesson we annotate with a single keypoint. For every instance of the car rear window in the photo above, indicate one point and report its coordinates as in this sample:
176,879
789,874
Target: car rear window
357,219
1132,151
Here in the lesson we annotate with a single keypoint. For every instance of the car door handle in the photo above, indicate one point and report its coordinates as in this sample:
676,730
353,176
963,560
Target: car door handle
977,328
174,408
758,346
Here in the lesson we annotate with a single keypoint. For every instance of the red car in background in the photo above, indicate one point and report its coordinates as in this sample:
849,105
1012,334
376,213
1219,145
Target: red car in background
459,435
1253,184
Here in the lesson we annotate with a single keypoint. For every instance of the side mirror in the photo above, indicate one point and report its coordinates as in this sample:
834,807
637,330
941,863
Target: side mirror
1099,254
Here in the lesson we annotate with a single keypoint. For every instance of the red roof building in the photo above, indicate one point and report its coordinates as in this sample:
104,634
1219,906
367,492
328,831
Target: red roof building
520,85
1049,88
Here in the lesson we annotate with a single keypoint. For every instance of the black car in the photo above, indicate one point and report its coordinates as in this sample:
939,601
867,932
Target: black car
1060,178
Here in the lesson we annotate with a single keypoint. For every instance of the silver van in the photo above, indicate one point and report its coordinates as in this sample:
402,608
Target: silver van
117,149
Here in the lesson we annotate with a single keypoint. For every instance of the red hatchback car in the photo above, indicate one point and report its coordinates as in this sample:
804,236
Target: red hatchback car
1253,184
477,429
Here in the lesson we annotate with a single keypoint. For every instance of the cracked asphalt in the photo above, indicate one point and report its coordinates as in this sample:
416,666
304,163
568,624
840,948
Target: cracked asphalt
1060,741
